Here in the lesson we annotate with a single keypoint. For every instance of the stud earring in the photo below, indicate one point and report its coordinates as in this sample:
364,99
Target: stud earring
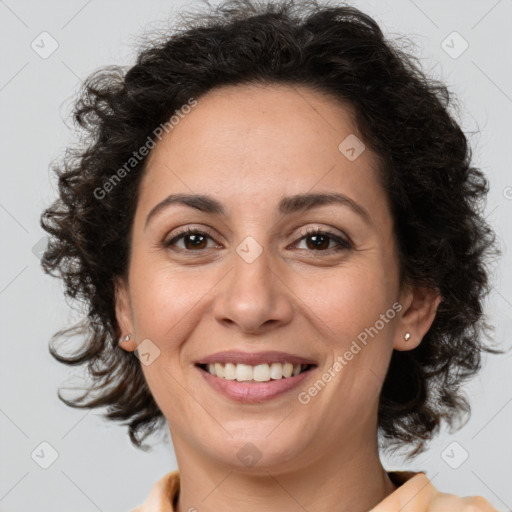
126,338
407,336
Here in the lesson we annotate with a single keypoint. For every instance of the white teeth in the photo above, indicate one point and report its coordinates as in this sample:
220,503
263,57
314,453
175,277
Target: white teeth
229,371
287,369
276,370
243,372
259,373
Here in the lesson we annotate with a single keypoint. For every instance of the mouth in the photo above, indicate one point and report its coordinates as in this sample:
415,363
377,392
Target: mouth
254,378
265,372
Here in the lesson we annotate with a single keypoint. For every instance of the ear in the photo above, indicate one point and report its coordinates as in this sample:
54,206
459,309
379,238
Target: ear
124,314
419,310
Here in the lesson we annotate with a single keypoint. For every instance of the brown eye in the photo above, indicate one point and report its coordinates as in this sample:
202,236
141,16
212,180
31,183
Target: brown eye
318,240
193,240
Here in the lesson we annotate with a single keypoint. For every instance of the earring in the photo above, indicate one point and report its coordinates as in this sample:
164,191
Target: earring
407,336
126,338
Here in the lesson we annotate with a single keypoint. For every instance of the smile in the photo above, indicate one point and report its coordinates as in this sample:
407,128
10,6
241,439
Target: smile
258,373
254,384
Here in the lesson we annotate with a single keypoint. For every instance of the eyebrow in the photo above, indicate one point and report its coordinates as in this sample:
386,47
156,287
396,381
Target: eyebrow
287,205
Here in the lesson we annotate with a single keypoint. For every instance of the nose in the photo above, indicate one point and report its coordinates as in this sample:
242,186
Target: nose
253,296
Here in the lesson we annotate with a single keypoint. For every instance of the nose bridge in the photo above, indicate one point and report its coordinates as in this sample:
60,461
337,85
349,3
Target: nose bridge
253,268
253,295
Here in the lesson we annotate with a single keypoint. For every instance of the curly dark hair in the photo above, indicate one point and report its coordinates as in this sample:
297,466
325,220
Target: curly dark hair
436,196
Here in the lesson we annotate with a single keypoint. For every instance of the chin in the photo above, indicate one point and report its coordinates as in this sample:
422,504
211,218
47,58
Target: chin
258,454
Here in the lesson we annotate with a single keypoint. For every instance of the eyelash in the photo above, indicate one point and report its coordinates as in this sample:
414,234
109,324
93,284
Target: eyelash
343,244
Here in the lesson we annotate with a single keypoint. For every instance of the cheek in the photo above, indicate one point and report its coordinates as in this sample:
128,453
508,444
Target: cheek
356,313
345,301
357,317
162,299
165,307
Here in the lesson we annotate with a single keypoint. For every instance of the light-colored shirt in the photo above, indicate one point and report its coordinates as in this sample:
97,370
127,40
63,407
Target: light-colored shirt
414,494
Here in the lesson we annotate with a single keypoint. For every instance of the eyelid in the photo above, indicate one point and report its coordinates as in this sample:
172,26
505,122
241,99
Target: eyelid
189,230
326,230
344,242
342,239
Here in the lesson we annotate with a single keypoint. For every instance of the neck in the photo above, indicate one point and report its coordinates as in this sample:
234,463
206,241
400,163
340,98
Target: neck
349,480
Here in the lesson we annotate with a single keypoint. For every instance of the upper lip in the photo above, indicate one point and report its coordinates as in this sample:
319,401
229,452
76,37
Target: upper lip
254,358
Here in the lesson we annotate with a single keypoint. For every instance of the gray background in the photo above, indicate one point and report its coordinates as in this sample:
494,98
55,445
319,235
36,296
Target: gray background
97,468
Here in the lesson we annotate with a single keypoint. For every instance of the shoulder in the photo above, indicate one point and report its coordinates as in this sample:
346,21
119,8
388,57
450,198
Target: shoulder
416,493
162,494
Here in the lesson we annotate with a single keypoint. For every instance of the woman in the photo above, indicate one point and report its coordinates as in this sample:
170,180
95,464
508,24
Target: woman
276,214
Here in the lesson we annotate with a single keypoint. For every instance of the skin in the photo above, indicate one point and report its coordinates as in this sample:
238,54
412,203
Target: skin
249,146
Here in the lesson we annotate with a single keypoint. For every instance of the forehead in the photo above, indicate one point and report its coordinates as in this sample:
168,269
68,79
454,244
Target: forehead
252,143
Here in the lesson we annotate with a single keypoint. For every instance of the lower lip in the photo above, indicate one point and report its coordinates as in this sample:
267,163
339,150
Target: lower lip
254,392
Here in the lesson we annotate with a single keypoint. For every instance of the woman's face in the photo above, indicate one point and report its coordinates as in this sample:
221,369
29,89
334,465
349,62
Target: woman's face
259,286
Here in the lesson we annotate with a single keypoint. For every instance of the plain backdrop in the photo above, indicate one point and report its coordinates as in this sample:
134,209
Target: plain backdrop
467,44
